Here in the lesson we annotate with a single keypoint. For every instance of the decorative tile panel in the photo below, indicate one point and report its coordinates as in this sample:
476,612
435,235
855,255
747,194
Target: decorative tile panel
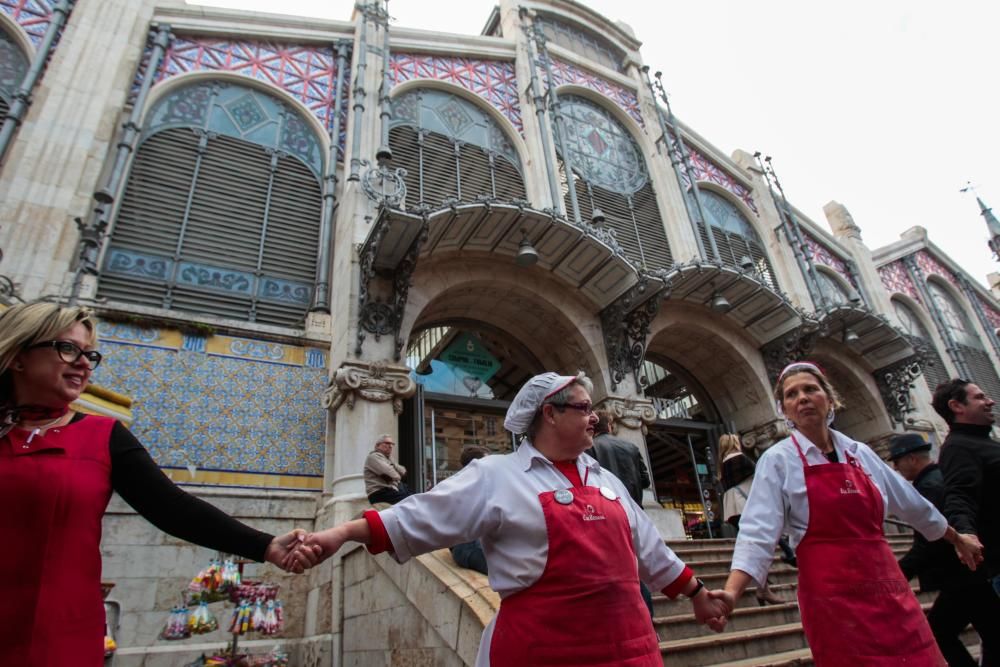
33,16
492,80
231,412
307,73
896,279
822,254
991,313
564,73
930,266
708,171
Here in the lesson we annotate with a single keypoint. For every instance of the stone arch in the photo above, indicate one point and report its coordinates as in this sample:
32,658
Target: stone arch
844,290
635,130
18,36
934,369
506,126
542,313
168,86
721,356
864,416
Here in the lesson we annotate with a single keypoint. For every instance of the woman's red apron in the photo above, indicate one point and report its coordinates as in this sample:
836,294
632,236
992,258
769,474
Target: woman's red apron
586,609
54,489
856,606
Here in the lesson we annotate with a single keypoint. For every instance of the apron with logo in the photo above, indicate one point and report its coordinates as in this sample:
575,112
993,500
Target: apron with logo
585,609
53,491
856,607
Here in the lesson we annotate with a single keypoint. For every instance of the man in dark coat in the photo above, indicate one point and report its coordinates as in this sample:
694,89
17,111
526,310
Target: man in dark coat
624,460
965,596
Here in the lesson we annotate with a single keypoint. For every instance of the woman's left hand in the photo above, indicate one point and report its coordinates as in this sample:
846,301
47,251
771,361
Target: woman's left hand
290,554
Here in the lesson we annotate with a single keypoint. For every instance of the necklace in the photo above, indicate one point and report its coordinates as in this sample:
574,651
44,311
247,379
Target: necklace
38,428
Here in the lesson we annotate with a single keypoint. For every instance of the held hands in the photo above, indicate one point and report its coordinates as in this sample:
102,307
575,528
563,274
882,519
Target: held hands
289,552
969,550
713,608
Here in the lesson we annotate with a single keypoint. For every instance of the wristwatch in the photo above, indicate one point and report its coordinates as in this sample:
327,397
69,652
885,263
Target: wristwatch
697,589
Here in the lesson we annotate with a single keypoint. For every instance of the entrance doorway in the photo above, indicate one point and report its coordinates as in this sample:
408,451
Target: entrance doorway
466,377
683,447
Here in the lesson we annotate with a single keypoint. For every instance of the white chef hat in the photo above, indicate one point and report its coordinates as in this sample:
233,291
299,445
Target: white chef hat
531,396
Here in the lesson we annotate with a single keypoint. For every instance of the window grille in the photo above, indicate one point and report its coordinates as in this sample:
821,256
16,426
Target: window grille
834,292
934,372
735,237
13,67
221,211
610,174
582,42
969,345
451,151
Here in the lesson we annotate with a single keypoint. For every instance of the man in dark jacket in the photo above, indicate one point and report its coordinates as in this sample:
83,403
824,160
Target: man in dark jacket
624,460
965,596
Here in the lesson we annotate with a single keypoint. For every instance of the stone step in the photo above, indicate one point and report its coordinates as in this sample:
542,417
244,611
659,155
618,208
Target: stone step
743,618
728,646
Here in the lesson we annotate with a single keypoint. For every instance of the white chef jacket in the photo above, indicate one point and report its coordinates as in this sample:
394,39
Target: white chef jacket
495,499
778,503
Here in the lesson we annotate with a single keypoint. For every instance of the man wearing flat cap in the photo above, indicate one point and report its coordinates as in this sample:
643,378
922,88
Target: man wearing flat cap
965,596
565,544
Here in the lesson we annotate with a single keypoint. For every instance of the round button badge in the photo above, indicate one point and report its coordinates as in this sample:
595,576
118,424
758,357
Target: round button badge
564,497
608,493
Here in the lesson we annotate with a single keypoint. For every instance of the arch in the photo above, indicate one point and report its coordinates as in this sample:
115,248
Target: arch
186,197
169,86
833,286
510,132
611,173
472,289
735,234
864,416
954,311
16,54
917,325
632,126
578,37
720,355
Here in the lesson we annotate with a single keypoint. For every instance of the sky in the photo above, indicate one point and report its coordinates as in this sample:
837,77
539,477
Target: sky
889,107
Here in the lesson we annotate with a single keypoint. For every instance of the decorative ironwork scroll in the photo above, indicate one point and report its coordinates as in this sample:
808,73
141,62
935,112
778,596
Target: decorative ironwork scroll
793,346
625,331
894,384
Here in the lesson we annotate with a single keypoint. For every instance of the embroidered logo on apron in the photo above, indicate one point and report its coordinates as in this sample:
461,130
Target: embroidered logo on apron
590,514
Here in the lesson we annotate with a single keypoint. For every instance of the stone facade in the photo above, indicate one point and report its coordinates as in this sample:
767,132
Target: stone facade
183,138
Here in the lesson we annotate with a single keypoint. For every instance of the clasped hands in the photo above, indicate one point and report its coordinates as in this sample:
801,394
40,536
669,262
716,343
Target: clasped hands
714,608
295,551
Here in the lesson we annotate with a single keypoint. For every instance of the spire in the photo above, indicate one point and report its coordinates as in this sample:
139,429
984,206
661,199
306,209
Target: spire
993,225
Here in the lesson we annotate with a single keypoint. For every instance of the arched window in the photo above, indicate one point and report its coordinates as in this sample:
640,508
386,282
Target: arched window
969,345
452,151
934,371
582,42
735,237
13,66
831,289
610,173
222,208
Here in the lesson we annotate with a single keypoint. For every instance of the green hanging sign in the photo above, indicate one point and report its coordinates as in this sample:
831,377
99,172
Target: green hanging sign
467,354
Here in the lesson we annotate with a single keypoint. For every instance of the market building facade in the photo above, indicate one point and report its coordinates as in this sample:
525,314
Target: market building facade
300,234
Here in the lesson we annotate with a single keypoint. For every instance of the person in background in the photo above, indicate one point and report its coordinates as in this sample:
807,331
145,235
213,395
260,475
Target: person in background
383,476
970,462
736,471
58,469
470,554
566,545
965,596
831,495
624,460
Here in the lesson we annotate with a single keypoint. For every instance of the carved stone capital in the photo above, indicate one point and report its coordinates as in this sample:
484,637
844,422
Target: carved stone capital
764,435
378,382
632,413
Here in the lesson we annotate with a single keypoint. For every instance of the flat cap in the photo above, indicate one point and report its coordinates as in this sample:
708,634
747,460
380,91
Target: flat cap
901,445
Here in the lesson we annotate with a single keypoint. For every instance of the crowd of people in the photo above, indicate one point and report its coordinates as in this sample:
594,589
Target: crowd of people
557,525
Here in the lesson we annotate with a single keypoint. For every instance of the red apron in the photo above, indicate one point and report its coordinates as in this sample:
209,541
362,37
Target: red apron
53,492
856,606
586,609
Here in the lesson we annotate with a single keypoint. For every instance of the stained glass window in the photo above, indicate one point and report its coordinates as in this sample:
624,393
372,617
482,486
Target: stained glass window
954,317
600,149
934,369
582,42
735,237
13,65
831,288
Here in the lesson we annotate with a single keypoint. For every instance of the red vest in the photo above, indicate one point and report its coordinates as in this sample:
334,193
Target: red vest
54,489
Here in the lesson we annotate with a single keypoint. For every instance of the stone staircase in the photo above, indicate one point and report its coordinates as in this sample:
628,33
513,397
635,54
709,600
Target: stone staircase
769,636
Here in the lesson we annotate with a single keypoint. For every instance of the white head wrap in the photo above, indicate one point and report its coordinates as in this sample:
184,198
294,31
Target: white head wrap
524,406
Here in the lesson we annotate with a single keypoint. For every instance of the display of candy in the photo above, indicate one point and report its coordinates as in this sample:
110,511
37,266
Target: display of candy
269,623
207,585
109,646
202,620
251,590
240,623
177,625
230,576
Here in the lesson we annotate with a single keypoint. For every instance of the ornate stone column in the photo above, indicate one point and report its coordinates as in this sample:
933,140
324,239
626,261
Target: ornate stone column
365,400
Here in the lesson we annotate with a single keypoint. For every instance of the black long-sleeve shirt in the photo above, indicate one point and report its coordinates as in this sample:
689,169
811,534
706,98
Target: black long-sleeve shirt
141,483
970,461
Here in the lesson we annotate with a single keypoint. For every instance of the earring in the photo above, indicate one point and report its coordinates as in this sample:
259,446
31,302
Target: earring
18,367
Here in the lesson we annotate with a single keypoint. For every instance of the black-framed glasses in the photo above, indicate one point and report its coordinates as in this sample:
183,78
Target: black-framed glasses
71,352
586,407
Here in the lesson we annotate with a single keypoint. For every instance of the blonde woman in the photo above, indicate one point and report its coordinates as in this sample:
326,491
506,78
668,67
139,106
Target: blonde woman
57,471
